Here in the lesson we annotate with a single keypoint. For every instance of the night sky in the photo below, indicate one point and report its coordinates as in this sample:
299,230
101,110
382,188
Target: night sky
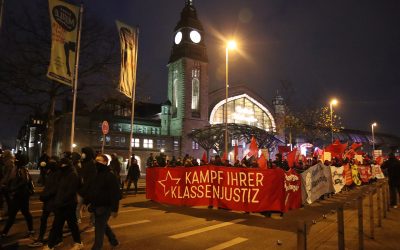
346,49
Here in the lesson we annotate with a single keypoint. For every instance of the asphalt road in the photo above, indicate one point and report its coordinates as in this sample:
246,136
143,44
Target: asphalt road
143,224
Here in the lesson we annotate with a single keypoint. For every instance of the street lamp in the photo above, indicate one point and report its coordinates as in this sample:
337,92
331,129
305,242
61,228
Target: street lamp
331,103
230,45
373,136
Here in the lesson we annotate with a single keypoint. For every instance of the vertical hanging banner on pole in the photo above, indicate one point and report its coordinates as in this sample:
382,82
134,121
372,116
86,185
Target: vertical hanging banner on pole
128,38
64,28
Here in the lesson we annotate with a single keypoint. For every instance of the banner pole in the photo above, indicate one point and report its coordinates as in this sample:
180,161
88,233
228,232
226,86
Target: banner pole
75,82
133,95
1,13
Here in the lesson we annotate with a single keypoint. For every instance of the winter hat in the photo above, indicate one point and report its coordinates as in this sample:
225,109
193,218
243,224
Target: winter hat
102,159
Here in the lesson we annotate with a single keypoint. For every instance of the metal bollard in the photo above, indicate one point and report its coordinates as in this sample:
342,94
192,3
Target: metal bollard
360,223
379,198
371,213
384,201
301,235
340,220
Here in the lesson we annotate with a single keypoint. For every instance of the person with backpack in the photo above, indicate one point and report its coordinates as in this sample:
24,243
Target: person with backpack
19,188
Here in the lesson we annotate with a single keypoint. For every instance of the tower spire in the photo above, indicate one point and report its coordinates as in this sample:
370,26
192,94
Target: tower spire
189,2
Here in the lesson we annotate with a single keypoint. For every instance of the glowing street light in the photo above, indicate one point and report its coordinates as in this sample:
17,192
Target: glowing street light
231,45
331,104
373,136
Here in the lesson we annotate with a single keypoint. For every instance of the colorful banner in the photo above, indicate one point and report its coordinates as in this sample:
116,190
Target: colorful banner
129,45
355,175
250,190
337,178
365,173
316,181
377,172
64,20
347,175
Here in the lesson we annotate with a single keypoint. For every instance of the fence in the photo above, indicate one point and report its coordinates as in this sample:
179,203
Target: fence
379,189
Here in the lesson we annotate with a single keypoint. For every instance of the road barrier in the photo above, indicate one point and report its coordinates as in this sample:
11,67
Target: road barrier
377,192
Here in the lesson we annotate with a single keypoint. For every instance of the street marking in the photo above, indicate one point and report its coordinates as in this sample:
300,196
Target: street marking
121,225
17,242
205,229
227,244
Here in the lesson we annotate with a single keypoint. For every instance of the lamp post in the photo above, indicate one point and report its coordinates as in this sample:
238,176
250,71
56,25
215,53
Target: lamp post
373,137
331,103
230,45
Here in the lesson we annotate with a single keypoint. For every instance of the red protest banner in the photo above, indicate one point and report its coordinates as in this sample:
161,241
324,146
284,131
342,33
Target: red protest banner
250,190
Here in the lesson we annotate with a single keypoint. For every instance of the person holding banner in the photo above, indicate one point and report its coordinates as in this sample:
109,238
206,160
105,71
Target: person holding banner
392,165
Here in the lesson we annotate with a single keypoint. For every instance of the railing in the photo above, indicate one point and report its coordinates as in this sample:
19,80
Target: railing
380,189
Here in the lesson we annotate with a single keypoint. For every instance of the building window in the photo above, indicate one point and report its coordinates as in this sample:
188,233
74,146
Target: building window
147,143
195,94
122,140
195,145
144,130
176,145
160,144
140,129
135,142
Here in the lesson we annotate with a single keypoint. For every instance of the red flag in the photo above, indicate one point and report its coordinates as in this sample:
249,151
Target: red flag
291,157
224,158
262,162
204,157
253,148
356,145
236,152
336,148
283,149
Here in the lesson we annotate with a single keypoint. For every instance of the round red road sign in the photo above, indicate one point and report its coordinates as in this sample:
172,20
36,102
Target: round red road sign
104,127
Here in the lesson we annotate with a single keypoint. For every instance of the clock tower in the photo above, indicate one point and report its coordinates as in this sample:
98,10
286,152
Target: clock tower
188,80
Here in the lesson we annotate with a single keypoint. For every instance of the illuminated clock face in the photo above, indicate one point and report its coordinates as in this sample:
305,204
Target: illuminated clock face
195,36
178,37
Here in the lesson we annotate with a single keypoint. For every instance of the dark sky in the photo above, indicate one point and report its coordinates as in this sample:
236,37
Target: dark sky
348,49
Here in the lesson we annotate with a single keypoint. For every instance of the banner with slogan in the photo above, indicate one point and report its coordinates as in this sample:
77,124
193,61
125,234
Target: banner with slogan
377,172
355,175
64,20
293,198
128,37
365,173
347,175
316,181
250,190
337,178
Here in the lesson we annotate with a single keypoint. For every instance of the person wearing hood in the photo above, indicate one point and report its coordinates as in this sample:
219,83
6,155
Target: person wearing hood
392,167
65,205
47,197
103,199
17,186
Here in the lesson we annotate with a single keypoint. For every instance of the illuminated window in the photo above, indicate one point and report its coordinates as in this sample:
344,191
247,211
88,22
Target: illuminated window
135,142
195,94
147,143
123,140
195,145
176,145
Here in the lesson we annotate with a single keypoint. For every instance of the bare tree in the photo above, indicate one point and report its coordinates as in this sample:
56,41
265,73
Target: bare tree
25,52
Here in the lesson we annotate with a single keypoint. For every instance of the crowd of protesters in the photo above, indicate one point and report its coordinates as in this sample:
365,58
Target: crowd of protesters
70,184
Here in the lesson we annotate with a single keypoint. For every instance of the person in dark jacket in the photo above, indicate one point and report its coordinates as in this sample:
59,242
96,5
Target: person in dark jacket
87,172
392,166
115,166
47,197
43,168
65,205
19,190
133,175
103,199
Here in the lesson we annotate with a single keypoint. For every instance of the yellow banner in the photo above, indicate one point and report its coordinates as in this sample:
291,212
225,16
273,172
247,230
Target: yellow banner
64,20
128,38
